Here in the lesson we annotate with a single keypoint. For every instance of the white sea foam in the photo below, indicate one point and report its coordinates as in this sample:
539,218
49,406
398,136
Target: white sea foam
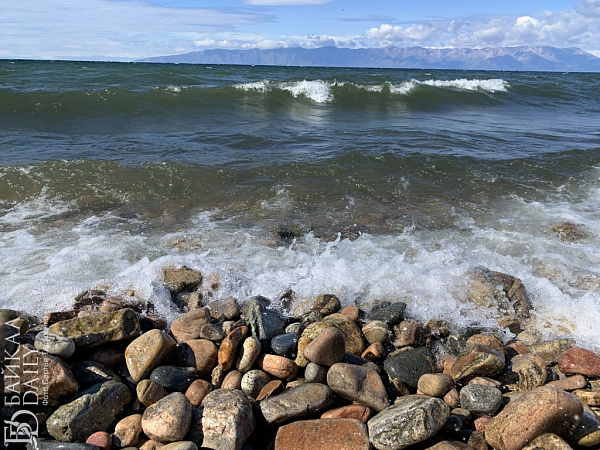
491,85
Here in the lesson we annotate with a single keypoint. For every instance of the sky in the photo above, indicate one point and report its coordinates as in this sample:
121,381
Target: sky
124,30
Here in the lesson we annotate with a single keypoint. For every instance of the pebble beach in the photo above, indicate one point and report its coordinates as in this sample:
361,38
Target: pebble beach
235,374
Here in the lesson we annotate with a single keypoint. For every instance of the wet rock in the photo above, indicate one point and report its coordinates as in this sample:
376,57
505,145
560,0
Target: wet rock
572,232
197,391
569,383
264,323
327,348
148,392
198,353
212,332
358,412
390,313
480,399
309,333
541,410
280,367
233,380
29,372
339,434
54,344
224,309
532,371
579,361
550,351
228,350
101,439
301,401
408,366
88,373
324,305
270,389
99,329
181,279
284,344
188,325
409,332
94,410
373,352
435,384
477,360
548,441
412,419
253,381
227,420
587,433
376,331
169,419
174,378
358,383
352,312
314,373
128,431
249,354
355,344
147,352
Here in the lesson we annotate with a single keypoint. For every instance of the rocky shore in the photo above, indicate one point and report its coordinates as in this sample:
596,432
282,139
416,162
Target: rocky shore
237,374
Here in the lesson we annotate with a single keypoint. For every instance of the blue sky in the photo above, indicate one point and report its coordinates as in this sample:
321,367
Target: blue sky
131,29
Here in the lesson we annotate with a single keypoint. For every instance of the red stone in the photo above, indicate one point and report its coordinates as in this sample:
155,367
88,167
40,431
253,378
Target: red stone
339,434
101,439
580,361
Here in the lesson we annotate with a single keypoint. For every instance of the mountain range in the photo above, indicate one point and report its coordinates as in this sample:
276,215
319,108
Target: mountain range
539,58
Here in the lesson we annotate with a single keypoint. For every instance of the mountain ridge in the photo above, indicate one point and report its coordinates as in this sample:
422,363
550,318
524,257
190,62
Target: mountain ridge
527,58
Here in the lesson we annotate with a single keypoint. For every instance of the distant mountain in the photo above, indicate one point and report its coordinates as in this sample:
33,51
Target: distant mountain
503,58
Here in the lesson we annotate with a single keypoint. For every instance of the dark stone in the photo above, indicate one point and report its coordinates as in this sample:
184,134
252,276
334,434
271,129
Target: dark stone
46,444
286,234
480,399
174,378
349,358
284,344
224,309
390,313
409,365
264,323
88,373
212,332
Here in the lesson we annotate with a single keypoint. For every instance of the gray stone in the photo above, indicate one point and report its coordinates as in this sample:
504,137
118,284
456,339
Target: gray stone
253,381
227,420
224,309
295,327
264,323
301,401
149,392
55,344
181,445
94,410
550,351
89,373
314,373
359,384
46,444
284,344
412,419
480,399
376,331
174,378
408,366
169,419
390,313
212,332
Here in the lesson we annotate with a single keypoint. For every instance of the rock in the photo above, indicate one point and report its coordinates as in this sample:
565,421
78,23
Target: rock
477,360
488,339
88,373
450,445
147,352
108,357
373,352
541,410
358,383
410,420
212,331
233,380
314,373
148,392
572,232
351,312
481,423
532,371
569,383
181,445
99,329
355,344
327,348
390,313
228,349
435,384
295,327
324,305
480,399
34,376
270,389
197,391
55,344
452,398
168,420
408,366
152,322
502,292
264,323
217,376
297,402
284,344
253,381
94,410
174,378
376,331
58,316
550,351
181,279
590,397
224,309
101,439
579,361
227,421
358,412
309,333
198,353
188,325
487,382
587,433
339,434
249,354
280,367
151,445
128,431
548,441
409,332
